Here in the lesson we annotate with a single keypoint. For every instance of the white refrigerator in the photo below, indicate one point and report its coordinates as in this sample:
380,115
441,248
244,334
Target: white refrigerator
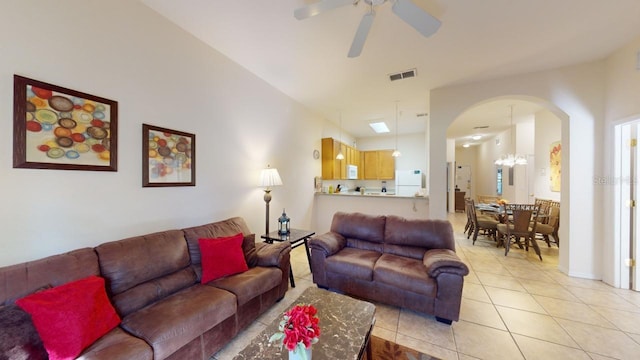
408,182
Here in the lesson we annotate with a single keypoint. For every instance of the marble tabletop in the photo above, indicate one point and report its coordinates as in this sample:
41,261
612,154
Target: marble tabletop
345,326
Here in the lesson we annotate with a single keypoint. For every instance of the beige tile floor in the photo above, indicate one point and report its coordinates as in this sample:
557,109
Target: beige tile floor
513,307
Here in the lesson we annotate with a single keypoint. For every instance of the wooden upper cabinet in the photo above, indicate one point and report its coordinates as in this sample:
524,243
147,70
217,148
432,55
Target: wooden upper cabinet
386,165
333,169
372,165
378,165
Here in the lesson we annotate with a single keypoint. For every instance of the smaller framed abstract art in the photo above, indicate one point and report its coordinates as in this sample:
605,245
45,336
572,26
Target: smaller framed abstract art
168,157
60,128
555,165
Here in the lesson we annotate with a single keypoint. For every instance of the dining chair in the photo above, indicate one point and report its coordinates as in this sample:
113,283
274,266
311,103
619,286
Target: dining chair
487,199
550,228
521,223
544,209
485,223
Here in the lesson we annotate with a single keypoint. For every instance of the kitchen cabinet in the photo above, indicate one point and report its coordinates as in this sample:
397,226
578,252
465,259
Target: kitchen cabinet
333,169
378,165
386,165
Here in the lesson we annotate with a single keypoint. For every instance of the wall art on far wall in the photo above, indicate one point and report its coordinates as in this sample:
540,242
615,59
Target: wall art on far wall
555,165
60,128
168,157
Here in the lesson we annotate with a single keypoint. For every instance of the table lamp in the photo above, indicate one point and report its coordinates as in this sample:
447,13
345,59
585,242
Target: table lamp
269,177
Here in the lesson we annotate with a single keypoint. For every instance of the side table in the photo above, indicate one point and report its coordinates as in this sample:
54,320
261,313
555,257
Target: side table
296,237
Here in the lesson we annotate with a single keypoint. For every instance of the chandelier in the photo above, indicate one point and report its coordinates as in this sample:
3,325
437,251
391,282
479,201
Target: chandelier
511,159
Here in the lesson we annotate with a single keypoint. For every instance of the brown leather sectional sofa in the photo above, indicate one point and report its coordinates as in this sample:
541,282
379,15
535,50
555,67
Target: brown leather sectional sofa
153,281
406,263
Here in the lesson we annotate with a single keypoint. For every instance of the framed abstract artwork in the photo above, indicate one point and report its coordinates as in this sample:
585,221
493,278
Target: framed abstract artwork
555,165
168,157
60,128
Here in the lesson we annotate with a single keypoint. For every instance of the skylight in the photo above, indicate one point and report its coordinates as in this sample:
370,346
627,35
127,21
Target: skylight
379,127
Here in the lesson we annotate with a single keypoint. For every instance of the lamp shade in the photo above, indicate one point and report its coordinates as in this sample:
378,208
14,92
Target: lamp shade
269,177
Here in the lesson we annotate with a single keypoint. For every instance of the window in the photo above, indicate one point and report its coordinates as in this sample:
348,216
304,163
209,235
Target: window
499,181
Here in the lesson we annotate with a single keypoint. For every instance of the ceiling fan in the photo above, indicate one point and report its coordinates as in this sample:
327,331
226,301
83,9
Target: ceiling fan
413,15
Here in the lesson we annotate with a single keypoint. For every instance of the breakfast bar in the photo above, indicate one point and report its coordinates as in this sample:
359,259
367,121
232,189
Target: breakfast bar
325,205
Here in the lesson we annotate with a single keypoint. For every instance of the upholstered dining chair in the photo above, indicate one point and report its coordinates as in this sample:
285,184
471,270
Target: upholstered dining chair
488,224
550,228
544,209
487,199
521,225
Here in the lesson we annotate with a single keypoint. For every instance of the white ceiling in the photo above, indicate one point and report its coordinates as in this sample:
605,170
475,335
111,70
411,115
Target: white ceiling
478,39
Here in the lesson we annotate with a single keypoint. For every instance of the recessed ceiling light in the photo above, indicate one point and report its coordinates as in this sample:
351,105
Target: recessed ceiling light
476,137
379,127
465,145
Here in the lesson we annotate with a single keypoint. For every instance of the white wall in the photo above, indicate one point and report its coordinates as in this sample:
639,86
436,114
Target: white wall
623,87
159,75
576,95
547,131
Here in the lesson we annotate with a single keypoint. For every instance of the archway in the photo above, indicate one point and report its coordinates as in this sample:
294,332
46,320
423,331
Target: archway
565,93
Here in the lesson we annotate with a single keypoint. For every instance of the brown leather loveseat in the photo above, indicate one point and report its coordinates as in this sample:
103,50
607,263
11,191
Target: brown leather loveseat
153,282
406,263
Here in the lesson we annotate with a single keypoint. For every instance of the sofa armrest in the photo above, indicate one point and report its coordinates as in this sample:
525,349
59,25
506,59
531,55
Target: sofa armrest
438,261
329,243
272,254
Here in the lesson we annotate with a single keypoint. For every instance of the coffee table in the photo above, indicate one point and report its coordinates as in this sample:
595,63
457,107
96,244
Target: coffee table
345,329
297,238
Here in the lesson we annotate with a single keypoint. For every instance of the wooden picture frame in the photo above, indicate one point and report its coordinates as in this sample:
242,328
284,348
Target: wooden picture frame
168,157
59,128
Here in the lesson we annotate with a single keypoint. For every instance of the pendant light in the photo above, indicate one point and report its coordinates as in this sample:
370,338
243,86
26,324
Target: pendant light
396,152
512,158
340,155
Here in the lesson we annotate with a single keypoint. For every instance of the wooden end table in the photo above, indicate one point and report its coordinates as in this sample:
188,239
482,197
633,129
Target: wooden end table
297,238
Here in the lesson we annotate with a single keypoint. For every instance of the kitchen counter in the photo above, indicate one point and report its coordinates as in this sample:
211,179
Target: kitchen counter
372,194
372,203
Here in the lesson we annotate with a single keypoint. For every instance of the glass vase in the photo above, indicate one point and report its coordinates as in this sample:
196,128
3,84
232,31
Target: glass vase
300,355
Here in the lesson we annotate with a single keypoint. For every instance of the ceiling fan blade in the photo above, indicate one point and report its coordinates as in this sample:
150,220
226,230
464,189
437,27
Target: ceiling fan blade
361,35
321,6
413,15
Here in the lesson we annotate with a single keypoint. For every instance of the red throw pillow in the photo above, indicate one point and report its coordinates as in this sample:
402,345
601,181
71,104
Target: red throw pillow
221,257
71,317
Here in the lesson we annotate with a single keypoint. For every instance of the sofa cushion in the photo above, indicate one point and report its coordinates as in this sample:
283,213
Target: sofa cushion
174,321
359,226
18,337
423,233
357,263
404,273
129,262
251,283
221,257
20,280
249,250
153,290
118,344
72,316
222,228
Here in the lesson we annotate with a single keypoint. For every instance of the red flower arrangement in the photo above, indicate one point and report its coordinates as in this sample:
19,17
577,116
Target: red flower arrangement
298,328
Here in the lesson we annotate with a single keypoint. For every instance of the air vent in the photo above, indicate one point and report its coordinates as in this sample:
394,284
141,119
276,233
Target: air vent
422,114
481,127
403,75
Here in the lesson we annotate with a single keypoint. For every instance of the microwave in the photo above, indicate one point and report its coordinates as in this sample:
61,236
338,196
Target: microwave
352,172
